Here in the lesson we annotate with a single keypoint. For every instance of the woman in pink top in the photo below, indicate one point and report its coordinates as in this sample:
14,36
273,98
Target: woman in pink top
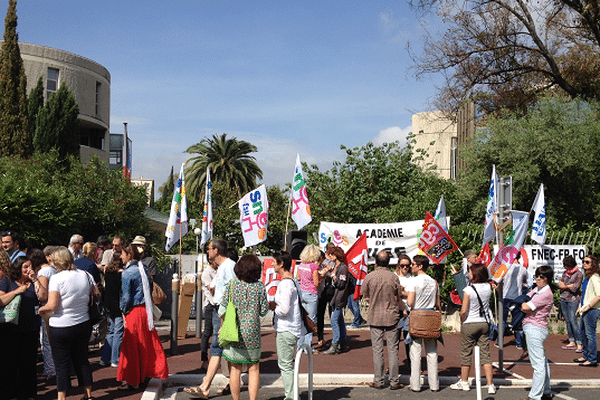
308,276
535,327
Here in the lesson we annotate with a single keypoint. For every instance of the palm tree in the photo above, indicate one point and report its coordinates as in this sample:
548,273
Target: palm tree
229,161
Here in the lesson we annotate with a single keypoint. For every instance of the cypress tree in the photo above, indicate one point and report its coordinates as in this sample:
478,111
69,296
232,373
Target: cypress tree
14,135
35,102
56,124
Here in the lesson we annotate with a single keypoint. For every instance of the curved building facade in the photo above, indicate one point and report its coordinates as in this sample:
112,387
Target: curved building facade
90,84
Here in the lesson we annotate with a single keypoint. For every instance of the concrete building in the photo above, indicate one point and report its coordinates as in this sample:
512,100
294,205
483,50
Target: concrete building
90,84
437,135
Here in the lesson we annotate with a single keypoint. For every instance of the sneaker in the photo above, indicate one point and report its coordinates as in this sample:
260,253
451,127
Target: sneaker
492,389
461,385
114,365
519,347
497,345
102,363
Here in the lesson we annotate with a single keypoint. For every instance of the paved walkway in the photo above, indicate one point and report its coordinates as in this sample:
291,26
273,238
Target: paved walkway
351,369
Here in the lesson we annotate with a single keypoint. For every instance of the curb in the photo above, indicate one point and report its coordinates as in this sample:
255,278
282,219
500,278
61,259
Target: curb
168,388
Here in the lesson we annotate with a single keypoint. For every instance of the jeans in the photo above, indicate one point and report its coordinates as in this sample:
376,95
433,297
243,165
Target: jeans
589,320
392,336
569,308
322,306
517,316
286,344
70,344
114,337
215,350
309,302
355,308
540,383
207,332
338,327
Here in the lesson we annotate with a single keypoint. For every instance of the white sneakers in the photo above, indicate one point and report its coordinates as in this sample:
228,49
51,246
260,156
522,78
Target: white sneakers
461,385
492,389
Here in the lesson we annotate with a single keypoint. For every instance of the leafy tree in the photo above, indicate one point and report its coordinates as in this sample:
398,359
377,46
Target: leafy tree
375,184
56,125
507,53
230,161
166,190
14,135
553,144
35,102
47,203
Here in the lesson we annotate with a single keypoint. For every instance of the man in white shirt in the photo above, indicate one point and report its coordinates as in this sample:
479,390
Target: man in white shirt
217,252
75,245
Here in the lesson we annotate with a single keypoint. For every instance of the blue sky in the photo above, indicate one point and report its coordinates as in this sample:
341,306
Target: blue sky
288,76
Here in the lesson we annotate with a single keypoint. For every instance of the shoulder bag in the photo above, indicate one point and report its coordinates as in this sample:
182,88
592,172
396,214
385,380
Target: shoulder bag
309,324
229,333
425,323
10,312
158,295
97,310
493,333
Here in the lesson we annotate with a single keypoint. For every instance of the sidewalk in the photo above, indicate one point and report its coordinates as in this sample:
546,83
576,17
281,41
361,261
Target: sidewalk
352,368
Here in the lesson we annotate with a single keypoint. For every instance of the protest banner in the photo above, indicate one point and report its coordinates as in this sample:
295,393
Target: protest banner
271,279
357,259
254,216
396,238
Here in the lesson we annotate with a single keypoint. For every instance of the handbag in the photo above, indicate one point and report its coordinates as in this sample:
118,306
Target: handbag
9,314
97,311
229,333
158,295
425,324
493,331
309,324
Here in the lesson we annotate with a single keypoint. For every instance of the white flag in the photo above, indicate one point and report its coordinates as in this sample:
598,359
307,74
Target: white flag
440,214
520,222
254,216
178,220
300,208
489,231
207,215
538,231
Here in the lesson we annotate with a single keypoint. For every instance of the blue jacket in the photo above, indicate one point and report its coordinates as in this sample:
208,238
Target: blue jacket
132,292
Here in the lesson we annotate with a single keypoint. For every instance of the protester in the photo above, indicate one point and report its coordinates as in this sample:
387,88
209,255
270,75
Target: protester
10,243
423,293
248,294
75,245
590,311
514,282
148,261
383,292
142,356
535,326
217,252
44,275
288,321
208,308
87,262
5,264
340,297
307,274
103,243
111,351
326,291
570,296
403,272
70,327
18,378
474,331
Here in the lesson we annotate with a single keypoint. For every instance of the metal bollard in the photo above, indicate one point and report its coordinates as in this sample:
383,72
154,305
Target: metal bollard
299,352
198,301
174,311
477,363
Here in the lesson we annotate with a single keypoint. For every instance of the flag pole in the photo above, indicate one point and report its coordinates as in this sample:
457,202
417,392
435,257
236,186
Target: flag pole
287,221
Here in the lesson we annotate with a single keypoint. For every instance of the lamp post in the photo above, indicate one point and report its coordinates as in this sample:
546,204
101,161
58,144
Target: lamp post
197,232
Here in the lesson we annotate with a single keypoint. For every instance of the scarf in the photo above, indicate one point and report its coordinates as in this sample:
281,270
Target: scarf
569,272
147,296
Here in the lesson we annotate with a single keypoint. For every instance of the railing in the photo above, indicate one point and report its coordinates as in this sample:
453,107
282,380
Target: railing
301,349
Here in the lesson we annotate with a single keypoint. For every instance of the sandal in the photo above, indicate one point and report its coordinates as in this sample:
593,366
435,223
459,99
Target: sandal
196,392
569,347
224,391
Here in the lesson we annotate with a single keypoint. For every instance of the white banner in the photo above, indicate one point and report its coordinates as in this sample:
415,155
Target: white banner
254,216
397,238
300,208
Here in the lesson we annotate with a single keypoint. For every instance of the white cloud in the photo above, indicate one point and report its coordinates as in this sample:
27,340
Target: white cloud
392,134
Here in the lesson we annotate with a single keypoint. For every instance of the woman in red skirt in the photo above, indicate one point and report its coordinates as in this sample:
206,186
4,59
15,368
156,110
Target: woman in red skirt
142,355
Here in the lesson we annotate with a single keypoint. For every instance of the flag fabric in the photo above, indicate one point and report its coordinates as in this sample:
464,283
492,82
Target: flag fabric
178,220
507,254
357,257
435,241
207,215
489,230
485,255
254,216
301,210
538,231
440,214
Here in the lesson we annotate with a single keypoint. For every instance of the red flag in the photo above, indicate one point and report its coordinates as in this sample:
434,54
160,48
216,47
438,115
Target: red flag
485,256
435,241
356,259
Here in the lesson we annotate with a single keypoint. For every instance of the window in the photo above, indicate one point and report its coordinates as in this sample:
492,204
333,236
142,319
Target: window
52,82
115,158
97,98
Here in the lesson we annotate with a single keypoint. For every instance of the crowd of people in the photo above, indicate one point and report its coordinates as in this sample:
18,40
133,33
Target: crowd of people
56,286
54,290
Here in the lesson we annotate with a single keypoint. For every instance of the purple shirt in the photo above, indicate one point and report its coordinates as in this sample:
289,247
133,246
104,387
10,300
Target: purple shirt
541,303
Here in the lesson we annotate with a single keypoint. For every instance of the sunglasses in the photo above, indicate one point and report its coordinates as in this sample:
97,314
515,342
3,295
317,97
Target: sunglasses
405,265
587,261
